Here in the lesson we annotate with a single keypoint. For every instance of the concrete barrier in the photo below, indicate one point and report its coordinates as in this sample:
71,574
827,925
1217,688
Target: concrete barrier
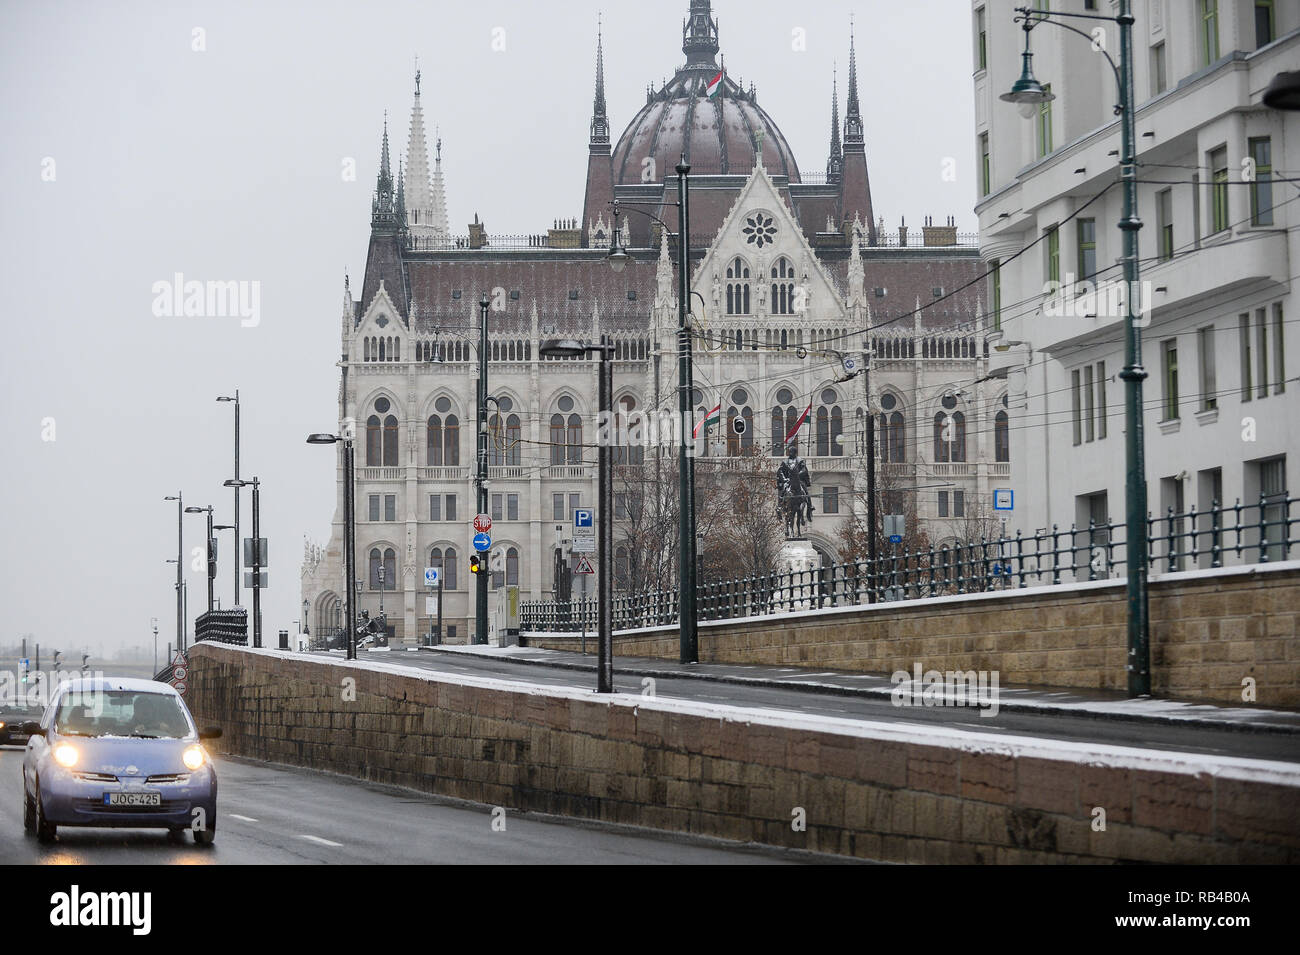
869,790
1214,635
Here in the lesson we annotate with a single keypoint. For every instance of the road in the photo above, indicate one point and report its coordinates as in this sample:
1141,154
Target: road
270,815
1144,734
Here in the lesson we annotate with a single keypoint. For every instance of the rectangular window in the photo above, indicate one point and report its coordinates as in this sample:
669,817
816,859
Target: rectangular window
997,294
1264,25
1165,224
574,504
1159,78
512,507
1101,400
986,179
1169,349
1205,342
1209,31
374,507
981,41
498,511
943,503
830,500
1261,186
451,632
1218,189
1088,409
435,507
1279,357
390,507
1054,255
958,503
1272,492
1087,234
1045,124
1261,338
1247,376
451,507
557,507
1076,405
620,507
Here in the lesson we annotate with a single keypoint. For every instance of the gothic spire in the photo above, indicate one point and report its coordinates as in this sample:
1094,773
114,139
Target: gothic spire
422,198
385,170
835,164
853,114
700,36
599,118
401,196
382,209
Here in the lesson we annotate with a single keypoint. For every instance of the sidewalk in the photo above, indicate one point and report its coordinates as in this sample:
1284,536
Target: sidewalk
1085,704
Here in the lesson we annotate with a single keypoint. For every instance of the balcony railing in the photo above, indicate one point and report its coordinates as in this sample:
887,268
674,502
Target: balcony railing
444,474
381,474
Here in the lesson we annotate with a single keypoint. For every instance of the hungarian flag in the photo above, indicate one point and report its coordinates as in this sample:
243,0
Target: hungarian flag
714,85
798,424
713,417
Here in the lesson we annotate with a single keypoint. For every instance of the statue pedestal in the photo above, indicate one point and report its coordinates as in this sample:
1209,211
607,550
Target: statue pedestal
797,564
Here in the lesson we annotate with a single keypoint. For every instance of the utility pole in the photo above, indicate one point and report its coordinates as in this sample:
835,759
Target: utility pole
481,579
687,635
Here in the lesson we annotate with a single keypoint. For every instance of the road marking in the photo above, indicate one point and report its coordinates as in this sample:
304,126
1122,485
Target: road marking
235,815
324,842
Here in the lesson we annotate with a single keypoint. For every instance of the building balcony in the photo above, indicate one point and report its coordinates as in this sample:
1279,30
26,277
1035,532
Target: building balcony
508,472
569,472
381,474
447,474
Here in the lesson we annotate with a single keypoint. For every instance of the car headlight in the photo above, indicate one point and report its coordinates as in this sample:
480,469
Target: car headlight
65,754
193,757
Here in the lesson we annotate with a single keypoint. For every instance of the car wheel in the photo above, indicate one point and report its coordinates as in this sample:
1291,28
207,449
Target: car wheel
45,830
29,809
204,837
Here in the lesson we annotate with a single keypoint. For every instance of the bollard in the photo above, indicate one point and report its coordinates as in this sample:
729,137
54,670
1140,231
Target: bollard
284,639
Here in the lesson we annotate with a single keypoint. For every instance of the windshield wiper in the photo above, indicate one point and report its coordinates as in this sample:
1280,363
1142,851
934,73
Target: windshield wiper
142,736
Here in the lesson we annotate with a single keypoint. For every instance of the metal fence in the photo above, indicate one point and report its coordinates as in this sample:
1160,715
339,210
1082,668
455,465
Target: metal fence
1217,537
223,626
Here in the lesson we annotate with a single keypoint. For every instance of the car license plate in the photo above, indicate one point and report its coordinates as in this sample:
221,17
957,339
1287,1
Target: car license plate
132,799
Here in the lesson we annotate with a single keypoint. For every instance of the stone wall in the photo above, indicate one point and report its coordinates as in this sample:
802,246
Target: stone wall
867,790
1209,632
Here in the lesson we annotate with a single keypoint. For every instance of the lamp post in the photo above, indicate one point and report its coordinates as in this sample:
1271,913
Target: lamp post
212,549
481,579
618,260
349,537
235,399
259,558
1026,94
180,557
560,348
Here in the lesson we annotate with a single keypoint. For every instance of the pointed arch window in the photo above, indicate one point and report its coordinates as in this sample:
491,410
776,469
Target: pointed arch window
503,435
893,430
742,443
447,561
782,287
387,559
830,425
784,416
374,442
738,287
1002,436
949,437
625,450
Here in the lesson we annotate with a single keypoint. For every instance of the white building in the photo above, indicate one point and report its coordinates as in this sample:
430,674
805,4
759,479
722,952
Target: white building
1222,420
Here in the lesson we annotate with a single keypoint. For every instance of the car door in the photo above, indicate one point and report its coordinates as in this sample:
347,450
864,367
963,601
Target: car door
38,745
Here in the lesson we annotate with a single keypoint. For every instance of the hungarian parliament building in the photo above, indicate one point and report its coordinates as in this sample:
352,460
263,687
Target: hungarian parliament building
791,272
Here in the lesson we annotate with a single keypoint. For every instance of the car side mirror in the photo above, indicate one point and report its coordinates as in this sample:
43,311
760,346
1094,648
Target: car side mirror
212,732
32,728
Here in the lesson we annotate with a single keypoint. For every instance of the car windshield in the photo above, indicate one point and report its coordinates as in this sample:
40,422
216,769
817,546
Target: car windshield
17,710
121,713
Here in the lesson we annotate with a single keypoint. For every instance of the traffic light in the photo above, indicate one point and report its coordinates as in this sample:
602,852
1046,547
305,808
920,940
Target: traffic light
475,566
57,662
85,664
212,558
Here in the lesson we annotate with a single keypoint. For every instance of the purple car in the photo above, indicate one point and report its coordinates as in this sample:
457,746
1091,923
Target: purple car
120,753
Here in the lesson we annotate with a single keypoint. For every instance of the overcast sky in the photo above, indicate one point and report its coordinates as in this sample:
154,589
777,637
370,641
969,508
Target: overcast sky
129,155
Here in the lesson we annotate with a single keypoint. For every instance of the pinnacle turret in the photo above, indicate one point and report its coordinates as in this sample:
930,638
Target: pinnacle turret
599,117
853,114
835,164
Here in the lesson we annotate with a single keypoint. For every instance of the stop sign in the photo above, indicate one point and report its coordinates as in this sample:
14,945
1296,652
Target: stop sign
482,523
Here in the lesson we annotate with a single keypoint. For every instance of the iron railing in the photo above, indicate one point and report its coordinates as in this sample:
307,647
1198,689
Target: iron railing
1216,537
223,626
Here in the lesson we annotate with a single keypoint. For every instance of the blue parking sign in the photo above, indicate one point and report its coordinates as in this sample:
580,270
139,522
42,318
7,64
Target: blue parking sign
582,517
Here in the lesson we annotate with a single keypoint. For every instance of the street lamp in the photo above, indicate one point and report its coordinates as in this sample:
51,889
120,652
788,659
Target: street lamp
180,557
567,348
212,549
618,260
259,558
349,536
1028,92
235,400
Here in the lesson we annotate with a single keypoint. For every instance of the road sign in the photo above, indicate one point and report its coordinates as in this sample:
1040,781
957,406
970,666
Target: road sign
895,526
584,566
584,517
431,576
583,545
179,659
431,606
482,523
482,542
1003,499
260,559
181,686
27,664
179,673
261,579
895,538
